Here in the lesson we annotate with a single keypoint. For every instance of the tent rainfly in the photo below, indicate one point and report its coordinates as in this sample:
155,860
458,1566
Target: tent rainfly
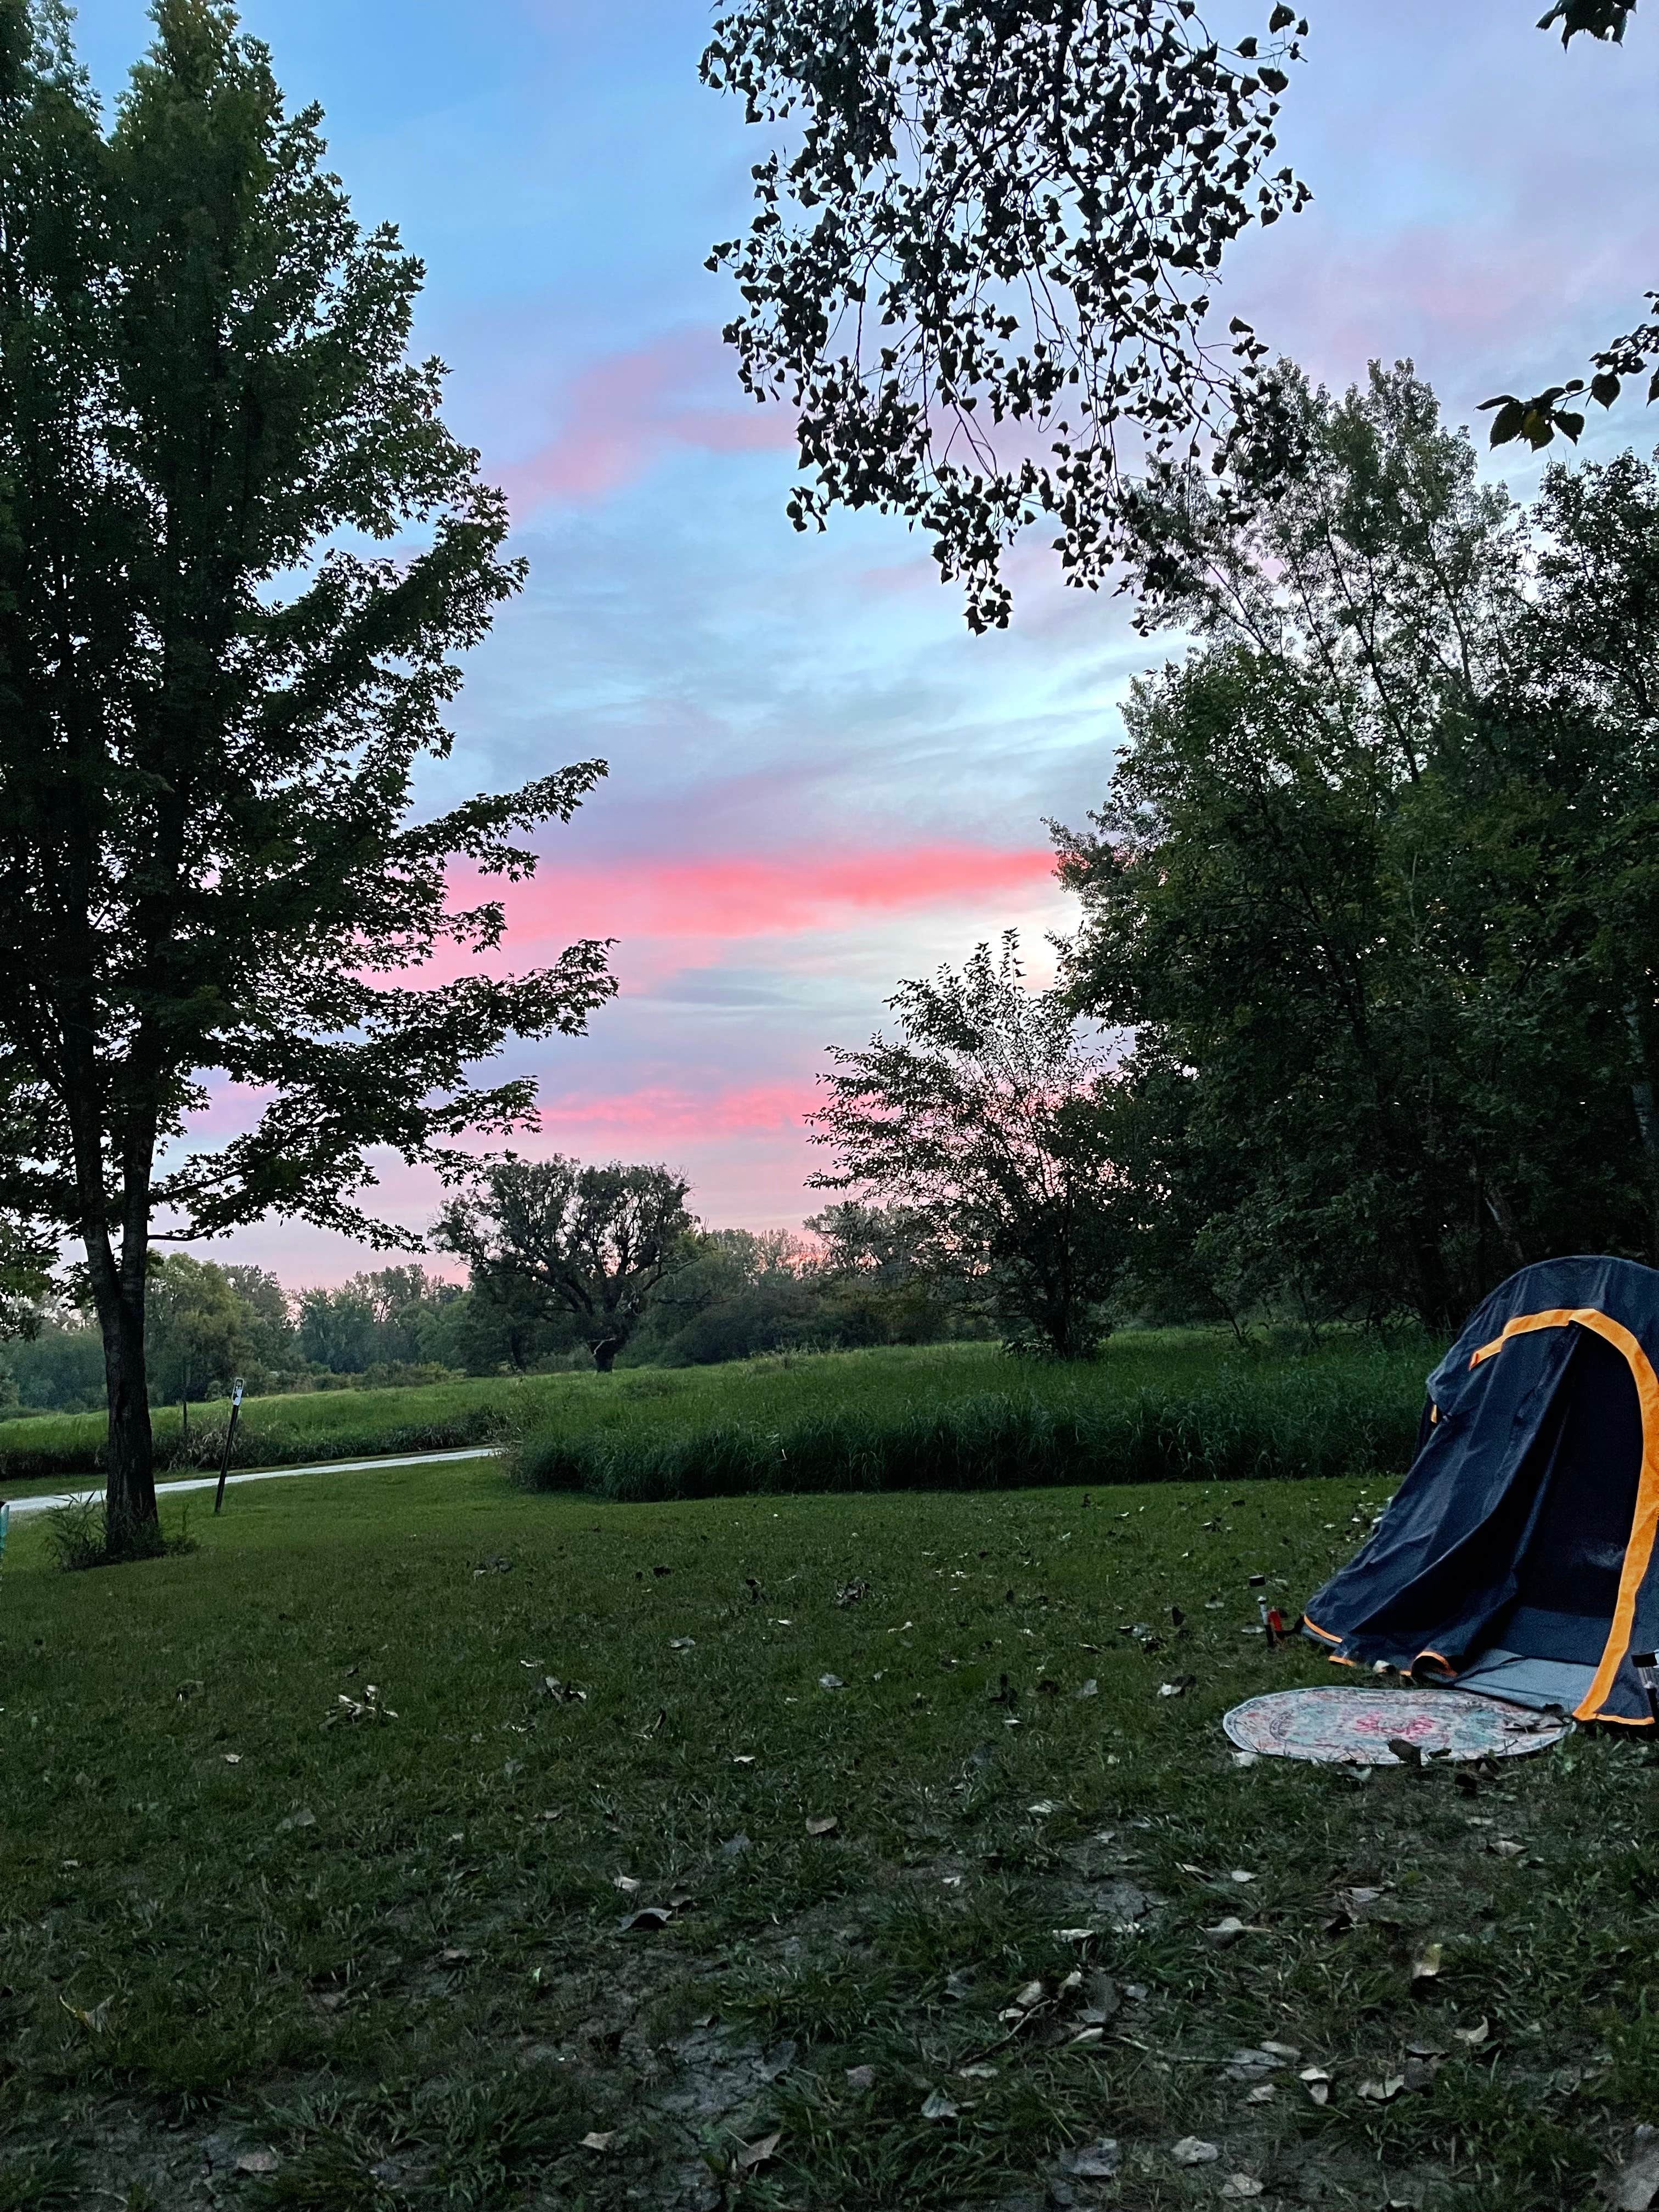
1517,1557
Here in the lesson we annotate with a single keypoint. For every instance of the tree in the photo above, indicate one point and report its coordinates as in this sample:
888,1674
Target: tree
988,1121
993,238
214,689
197,1333
982,275
1376,882
556,1237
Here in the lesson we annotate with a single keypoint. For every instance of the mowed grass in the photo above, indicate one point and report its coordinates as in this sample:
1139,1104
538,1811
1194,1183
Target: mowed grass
1168,1400
253,1956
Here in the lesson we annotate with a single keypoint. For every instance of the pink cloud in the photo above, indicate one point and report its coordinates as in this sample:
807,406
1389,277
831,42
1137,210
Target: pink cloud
782,895
622,412
664,1112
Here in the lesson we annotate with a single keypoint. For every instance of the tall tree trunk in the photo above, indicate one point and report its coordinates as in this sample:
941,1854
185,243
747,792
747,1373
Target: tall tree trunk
129,1494
118,1290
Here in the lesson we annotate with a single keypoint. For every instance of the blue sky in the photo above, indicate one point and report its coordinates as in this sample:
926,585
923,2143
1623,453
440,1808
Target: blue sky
820,782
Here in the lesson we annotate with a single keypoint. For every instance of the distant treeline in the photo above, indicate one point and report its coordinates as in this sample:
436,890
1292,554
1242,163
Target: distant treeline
733,1294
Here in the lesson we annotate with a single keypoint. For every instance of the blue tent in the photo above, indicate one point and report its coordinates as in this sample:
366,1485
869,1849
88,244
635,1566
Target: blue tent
1517,1557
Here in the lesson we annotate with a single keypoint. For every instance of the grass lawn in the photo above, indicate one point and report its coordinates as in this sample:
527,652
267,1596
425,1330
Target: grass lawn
251,1959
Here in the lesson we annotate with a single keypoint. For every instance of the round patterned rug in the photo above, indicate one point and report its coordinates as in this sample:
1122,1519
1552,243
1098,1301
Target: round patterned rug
1353,1727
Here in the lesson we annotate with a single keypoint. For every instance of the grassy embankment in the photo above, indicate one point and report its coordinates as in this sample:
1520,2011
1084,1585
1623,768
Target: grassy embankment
1158,1403
382,1966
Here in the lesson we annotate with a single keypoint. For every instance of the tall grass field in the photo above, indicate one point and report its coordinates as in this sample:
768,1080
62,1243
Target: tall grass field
1157,1406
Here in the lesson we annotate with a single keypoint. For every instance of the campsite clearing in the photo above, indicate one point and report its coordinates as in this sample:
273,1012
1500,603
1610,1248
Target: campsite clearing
749,1851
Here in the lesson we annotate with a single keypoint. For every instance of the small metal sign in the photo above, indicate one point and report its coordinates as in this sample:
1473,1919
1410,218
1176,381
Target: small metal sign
230,1438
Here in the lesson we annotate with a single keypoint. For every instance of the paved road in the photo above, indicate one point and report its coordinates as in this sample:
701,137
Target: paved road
21,1505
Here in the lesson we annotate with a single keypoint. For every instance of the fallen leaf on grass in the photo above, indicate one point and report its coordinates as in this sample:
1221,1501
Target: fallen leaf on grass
1192,2150
628,1884
97,2019
1095,2161
366,1708
1287,2052
861,2077
682,1643
648,1918
1382,2091
1426,1965
1239,2186
748,2156
1227,1929
1090,1689
562,1694
1475,2036
454,1956
258,2161
742,1759
1636,2184
977,2072
233,1758
850,1593
1179,1687
594,2141
830,1682
1029,1994
938,2107
1318,2083
305,1818
1263,2093
1505,1847
1238,1873
824,1824
1042,1807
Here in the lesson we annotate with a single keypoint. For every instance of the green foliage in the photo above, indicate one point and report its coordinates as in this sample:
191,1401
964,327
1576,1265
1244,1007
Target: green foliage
394,1316
201,1330
552,1239
1375,886
981,257
208,428
985,1124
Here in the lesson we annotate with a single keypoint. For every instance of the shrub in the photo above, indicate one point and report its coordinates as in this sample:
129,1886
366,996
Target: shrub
79,1537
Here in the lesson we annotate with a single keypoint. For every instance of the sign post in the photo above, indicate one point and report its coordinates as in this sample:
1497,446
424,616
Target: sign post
230,1438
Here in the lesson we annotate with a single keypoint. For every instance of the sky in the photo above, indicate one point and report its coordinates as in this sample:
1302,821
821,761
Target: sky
820,783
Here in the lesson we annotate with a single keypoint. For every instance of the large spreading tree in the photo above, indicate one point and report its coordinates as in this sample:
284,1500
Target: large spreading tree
240,552
1376,880
551,1239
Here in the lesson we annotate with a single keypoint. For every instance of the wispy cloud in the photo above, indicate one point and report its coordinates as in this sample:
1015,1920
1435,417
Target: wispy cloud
778,894
663,1113
620,412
